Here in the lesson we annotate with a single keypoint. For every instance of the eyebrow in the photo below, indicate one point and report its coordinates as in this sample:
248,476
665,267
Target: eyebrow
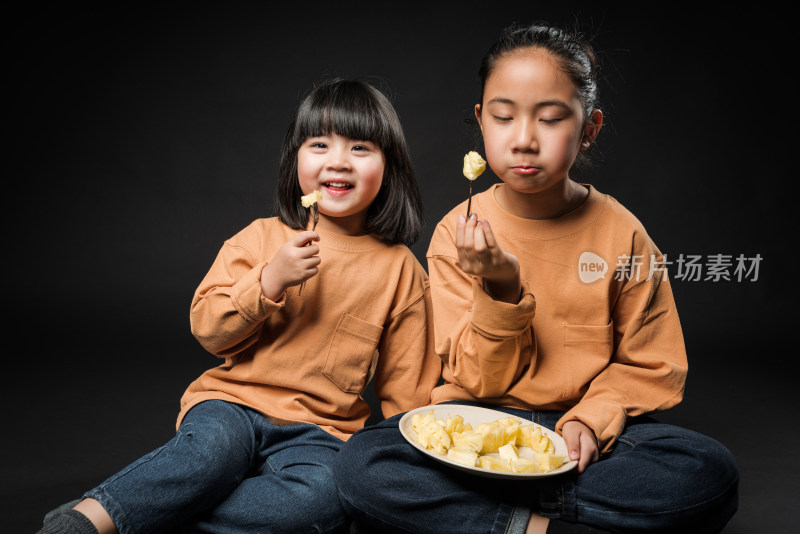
539,105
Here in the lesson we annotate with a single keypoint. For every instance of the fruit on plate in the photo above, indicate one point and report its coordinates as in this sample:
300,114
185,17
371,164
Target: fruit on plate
494,463
506,444
463,456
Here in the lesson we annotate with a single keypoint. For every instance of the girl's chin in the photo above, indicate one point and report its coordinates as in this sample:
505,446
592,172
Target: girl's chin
334,215
529,186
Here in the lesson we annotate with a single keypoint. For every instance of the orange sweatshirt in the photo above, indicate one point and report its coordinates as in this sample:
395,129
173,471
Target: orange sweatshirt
588,336
307,358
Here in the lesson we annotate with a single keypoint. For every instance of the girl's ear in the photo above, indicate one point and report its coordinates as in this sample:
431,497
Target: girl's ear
592,128
478,116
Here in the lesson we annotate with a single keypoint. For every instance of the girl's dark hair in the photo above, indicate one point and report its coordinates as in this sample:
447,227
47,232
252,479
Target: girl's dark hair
575,55
356,110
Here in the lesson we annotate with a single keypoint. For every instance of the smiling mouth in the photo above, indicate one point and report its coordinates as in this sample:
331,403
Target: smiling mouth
337,186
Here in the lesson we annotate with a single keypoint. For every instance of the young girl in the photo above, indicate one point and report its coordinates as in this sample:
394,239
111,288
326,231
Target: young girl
525,326
257,435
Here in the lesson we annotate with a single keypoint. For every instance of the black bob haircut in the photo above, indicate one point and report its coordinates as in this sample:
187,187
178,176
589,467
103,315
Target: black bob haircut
356,110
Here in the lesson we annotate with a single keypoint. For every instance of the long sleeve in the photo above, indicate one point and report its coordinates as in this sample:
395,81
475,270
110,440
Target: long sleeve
308,357
408,368
605,341
228,307
485,344
648,369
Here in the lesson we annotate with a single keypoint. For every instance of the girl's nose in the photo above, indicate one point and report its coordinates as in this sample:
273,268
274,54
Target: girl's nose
338,159
525,139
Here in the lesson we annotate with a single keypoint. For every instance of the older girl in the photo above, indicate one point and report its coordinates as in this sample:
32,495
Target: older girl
523,328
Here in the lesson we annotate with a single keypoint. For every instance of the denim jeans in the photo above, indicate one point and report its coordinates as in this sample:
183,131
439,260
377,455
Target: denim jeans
658,478
229,470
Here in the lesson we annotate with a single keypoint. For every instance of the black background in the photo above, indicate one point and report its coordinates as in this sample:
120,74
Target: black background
141,137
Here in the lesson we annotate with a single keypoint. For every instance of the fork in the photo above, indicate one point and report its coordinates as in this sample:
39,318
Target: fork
314,221
469,201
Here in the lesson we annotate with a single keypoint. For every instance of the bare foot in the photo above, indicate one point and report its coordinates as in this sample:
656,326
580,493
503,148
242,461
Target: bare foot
95,512
537,524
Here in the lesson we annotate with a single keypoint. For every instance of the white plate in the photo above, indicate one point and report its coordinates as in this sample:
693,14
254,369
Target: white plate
475,416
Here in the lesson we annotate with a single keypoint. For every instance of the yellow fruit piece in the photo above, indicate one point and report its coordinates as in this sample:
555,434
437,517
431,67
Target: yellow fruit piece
474,165
533,437
523,465
468,440
524,436
495,464
508,452
454,423
463,456
418,420
434,436
311,198
548,462
492,437
498,433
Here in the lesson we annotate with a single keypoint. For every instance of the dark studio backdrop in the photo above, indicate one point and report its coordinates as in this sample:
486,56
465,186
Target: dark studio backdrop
142,136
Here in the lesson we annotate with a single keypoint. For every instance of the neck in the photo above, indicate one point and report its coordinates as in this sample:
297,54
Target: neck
351,225
548,204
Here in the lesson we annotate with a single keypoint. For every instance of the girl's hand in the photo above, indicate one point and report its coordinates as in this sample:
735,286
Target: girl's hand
581,443
480,255
294,263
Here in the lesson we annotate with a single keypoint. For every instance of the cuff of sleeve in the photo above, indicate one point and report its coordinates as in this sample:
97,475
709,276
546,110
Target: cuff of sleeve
607,420
501,319
248,298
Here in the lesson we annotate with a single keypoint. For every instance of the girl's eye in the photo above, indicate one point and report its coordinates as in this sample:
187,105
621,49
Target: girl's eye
501,119
318,145
551,121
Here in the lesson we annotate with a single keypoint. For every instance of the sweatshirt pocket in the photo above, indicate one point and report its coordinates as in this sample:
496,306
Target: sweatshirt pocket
587,351
351,353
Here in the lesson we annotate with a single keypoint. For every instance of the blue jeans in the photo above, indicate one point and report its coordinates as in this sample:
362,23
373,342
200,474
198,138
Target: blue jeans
229,470
658,478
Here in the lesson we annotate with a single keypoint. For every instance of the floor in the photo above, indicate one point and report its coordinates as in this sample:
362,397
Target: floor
73,426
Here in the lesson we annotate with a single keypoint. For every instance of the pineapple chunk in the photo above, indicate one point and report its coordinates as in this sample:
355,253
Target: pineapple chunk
525,435
468,440
510,430
310,199
533,437
548,462
498,433
418,420
508,452
454,423
492,438
463,456
434,436
507,421
474,165
495,464
523,465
